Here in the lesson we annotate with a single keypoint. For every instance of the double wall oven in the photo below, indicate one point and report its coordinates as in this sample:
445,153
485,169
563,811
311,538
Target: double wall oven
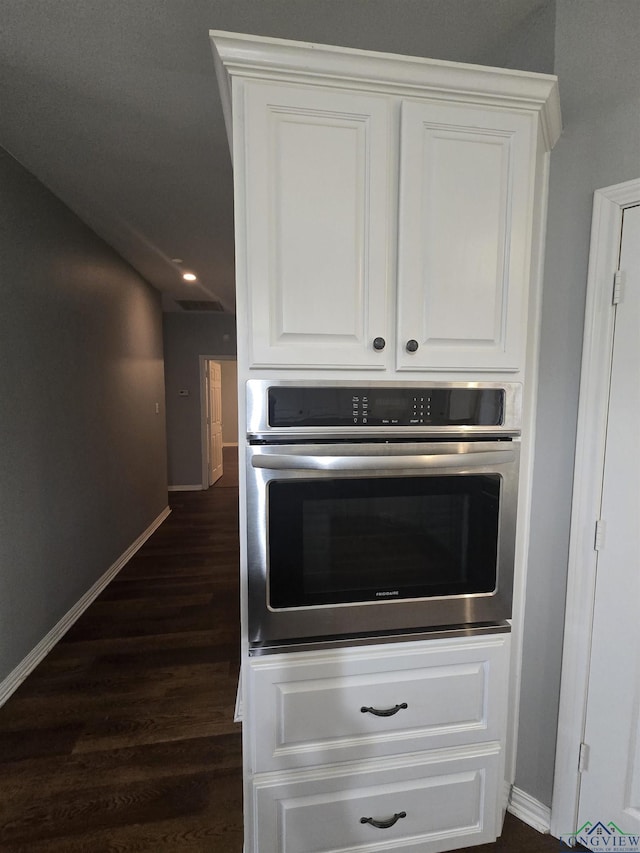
378,509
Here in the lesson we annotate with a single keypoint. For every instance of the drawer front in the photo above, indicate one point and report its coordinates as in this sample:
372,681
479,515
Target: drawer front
314,711
424,806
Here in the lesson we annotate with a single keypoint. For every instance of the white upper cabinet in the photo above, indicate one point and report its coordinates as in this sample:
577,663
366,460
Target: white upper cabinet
387,207
466,196
316,177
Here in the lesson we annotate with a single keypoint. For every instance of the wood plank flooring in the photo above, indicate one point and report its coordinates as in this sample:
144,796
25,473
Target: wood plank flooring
123,738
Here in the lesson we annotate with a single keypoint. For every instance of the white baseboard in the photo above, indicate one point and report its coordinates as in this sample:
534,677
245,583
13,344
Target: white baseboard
15,678
197,488
529,810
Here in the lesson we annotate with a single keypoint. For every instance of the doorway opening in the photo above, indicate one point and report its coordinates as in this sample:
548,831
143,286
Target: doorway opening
219,416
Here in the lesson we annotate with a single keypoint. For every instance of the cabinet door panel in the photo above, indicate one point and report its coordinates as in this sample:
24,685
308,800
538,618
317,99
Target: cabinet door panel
440,803
308,706
465,211
317,174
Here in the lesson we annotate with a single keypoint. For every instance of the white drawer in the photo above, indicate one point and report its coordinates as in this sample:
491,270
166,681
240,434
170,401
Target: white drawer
306,708
447,800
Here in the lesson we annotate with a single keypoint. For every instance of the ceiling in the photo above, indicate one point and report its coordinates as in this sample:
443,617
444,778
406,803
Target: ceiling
113,104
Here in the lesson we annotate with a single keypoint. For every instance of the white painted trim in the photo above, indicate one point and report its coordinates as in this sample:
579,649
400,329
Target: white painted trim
527,458
237,714
204,431
526,808
606,226
15,678
281,59
196,488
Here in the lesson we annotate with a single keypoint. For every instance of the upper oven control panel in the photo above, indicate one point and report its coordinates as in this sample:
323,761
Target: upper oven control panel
384,407
341,408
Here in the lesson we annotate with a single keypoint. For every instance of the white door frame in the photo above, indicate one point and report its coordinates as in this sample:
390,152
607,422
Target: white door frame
608,207
203,411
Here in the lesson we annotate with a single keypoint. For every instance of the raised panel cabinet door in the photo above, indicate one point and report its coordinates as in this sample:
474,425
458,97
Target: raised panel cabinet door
326,707
317,178
431,803
464,244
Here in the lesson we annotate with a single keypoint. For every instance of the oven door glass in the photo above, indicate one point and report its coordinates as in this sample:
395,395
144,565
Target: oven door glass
374,539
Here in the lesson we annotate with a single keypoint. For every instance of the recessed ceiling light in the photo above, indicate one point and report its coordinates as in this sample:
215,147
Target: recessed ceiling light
189,276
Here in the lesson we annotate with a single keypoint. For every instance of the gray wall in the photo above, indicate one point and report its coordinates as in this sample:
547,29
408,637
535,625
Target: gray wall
531,46
82,452
186,338
598,65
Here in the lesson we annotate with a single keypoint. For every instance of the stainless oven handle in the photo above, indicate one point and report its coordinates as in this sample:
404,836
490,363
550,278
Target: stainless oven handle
294,462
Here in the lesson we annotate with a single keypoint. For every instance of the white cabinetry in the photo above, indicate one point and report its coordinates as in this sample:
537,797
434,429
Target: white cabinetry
439,802
389,220
466,195
407,734
382,199
317,206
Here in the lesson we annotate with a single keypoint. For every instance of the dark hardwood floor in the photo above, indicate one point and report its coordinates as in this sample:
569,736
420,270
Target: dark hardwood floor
123,738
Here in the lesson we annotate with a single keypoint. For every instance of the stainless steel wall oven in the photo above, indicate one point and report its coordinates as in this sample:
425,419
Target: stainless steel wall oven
374,508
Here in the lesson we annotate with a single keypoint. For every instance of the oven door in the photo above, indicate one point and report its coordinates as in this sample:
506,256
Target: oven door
350,539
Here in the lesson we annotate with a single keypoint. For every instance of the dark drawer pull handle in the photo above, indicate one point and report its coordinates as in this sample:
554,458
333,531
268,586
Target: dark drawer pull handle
384,712
383,824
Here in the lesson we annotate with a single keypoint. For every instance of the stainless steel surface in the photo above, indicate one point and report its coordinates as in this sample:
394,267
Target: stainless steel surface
380,616
407,459
377,639
258,425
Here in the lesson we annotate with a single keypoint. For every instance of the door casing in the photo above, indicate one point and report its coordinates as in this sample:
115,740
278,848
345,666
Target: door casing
203,412
606,229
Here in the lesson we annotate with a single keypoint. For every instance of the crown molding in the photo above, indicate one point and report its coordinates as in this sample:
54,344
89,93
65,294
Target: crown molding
249,56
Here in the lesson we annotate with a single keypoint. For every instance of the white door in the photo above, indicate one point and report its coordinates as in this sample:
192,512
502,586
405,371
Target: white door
610,783
464,208
317,167
214,420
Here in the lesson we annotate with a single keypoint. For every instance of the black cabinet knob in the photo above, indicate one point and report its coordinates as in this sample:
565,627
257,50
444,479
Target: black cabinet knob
412,345
379,344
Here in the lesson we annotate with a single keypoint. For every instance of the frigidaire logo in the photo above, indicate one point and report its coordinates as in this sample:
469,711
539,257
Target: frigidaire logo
391,592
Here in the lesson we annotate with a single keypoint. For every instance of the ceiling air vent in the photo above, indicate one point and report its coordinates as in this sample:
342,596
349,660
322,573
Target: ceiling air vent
200,305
